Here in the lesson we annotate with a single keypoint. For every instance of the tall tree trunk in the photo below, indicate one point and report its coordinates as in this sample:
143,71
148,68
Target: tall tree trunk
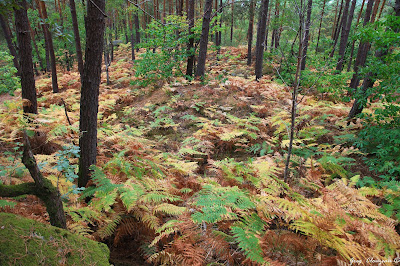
342,26
296,86
335,19
250,32
262,23
354,42
137,25
201,64
362,50
190,49
233,11
345,37
77,38
280,29
25,58
320,25
89,103
51,48
337,29
7,35
46,41
36,48
369,79
267,29
306,35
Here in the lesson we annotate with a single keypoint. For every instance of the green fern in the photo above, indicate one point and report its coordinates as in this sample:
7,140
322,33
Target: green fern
6,203
245,234
218,203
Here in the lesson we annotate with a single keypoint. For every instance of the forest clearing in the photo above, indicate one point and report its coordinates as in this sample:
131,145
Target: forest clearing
240,161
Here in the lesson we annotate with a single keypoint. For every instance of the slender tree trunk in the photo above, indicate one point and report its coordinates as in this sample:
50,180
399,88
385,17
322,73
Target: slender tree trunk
342,26
51,48
89,103
201,64
7,35
250,32
369,79
320,25
220,23
335,20
345,37
354,42
262,21
137,25
380,12
25,58
375,11
306,35
190,49
46,41
296,86
36,48
280,29
267,30
337,30
233,11
76,37
362,50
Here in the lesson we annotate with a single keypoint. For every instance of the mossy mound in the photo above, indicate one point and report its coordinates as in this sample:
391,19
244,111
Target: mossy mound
27,242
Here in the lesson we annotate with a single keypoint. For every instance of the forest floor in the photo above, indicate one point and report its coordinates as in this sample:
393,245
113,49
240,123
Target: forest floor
195,128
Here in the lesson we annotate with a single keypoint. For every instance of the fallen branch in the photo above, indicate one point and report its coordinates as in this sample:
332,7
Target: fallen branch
42,188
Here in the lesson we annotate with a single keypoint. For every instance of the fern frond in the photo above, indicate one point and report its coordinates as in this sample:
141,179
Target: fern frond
110,227
169,209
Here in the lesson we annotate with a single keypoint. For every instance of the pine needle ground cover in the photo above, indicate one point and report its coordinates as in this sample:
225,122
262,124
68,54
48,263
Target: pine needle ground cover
190,172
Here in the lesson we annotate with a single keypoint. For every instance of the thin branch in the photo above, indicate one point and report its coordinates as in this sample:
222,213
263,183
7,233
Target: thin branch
101,11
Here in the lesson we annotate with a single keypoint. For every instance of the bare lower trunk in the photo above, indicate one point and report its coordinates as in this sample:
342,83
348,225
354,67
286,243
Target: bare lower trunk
77,38
306,35
201,65
89,102
190,49
250,32
262,23
7,35
25,58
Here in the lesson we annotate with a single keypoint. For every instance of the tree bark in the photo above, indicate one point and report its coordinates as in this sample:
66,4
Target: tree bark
267,29
354,42
36,48
233,10
306,35
369,79
89,103
320,25
262,23
345,36
137,25
78,46
250,32
201,64
25,58
362,50
44,189
7,35
296,86
190,49
54,81
343,19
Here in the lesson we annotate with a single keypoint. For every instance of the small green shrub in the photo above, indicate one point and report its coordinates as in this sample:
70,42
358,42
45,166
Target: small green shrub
9,82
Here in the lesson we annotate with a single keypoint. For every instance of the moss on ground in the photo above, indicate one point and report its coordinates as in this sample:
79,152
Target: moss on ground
27,242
